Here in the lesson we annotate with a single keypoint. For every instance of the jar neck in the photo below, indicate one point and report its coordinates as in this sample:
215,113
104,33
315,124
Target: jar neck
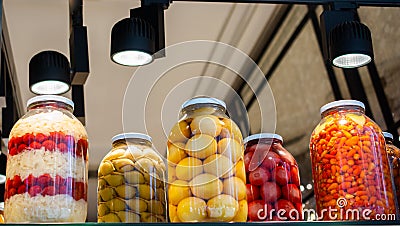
50,105
265,141
131,141
343,109
215,108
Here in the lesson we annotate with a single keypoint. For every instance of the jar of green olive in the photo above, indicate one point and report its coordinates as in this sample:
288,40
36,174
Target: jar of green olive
131,182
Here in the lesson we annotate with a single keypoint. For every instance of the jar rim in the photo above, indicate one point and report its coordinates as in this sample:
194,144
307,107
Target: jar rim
388,135
123,136
263,136
339,103
203,100
41,98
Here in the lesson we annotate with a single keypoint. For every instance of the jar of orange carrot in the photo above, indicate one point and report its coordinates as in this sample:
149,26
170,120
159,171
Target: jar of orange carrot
350,167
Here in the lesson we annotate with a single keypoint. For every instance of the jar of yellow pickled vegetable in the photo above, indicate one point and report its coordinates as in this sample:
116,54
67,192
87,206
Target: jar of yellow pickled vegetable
206,174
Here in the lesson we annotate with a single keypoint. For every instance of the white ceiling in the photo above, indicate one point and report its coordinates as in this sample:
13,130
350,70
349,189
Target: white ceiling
44,24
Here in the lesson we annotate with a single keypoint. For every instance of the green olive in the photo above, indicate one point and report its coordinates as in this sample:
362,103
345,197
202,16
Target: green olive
156,207
137,205
125,191
130,217
101,184
111,217
145,191
123,165
161,195
102,209
145,165
134,177
114,179
106,168
107,194
116,204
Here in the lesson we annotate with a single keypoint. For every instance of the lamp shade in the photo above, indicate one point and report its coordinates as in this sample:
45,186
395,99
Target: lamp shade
49,73
132,42
350,45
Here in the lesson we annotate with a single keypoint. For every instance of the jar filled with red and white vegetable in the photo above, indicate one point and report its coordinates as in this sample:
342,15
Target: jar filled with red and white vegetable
47,164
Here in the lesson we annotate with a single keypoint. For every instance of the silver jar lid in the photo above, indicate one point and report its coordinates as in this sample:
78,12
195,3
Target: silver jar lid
203,100
124,136
263,136
341,103
56,98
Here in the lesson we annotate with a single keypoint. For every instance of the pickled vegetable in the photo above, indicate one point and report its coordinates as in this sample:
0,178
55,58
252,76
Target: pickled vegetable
131,183
350,166
273,178
206,174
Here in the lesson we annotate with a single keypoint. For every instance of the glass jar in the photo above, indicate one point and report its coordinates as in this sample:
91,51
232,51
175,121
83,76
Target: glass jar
47,162
273,181
206,175
350,167
394,162
131,183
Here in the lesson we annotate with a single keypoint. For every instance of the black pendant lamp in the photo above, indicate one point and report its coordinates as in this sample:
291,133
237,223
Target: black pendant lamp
49,73
132,42
350,45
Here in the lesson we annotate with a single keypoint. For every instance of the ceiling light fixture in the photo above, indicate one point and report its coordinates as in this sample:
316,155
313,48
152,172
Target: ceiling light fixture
137,40
350,45
347,43
49,73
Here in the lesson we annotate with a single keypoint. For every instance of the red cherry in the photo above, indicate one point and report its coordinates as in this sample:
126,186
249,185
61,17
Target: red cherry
59,181
253,192
259,210
259,176
13,151
289,210
82,147
49,190
49,145
11,144
18,141
21,189
35,145
292,193
281,175
28,138
40,137
294,175
62,190
79,190
44,180
12,192
16,181
247,158
30,181
57,137
70,142
63,148
33,191
22,147
9,184
270,192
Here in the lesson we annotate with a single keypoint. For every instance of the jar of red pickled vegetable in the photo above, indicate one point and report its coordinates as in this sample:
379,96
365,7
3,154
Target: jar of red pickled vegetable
206,175
47,169
394,158
273,181
350,167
